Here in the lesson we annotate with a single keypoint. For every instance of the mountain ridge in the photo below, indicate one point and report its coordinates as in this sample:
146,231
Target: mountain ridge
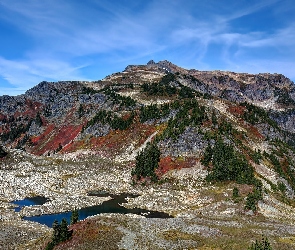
273,92
183,139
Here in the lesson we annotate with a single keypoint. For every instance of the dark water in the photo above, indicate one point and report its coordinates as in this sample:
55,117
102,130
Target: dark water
110,206
32,201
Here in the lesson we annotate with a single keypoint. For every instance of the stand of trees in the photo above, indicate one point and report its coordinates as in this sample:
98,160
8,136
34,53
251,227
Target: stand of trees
254,197
162,88
107,117
123,101
190,113
61,231
256,114
153,112
147,161
227,165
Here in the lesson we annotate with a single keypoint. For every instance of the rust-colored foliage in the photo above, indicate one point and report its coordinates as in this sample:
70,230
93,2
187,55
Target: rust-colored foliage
36,140
168,163
254,132
52,138
115,141
2,117
90,234
32,109
285,165
237,110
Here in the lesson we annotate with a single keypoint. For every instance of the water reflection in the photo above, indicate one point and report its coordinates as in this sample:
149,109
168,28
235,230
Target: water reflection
110,206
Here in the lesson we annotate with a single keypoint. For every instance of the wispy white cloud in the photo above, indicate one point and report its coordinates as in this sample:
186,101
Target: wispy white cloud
282,37
69,35
250,8
24,74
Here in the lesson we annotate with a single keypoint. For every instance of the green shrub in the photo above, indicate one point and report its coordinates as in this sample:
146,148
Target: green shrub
235,193
254,197
282,187
261,245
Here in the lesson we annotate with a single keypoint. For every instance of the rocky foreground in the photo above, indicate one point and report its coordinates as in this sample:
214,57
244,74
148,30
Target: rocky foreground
205,216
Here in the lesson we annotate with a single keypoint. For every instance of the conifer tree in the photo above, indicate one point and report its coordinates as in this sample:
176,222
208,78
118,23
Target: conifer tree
56,232
74,217
64,232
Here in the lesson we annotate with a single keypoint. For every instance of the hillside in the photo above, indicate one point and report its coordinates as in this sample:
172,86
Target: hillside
209,133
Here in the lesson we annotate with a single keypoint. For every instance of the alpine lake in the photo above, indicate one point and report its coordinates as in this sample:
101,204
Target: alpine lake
110,206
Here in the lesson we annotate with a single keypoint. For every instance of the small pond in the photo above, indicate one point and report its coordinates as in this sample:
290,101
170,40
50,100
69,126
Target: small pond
110,206
31,201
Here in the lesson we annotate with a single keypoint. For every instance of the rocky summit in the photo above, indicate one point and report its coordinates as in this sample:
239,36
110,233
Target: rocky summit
215,150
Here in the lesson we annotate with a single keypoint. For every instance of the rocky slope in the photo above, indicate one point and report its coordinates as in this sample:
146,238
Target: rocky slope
66,138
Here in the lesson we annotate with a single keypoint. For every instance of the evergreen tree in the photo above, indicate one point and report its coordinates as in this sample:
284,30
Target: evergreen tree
56,232
64,232
2,152
235,193
38,120
81,111
214,119
74,217
207,156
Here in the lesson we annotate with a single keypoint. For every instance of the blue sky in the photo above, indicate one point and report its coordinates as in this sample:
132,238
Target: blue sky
86,40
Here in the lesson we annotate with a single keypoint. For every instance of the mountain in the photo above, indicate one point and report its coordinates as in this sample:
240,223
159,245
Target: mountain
237,129
39,119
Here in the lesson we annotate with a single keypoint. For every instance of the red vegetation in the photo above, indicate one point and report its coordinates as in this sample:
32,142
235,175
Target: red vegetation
254,132
207,124
285,165
52,138
36,140
237,110
32,109
91,234
168,163
114,142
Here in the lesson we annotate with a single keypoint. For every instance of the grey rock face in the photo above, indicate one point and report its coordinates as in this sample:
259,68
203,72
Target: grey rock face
191,142
97,130
34,129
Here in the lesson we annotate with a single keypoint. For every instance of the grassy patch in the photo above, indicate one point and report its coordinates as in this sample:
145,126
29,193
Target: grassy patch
287,240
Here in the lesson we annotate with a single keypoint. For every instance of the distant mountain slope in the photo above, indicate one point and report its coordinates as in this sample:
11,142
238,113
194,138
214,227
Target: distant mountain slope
188,109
